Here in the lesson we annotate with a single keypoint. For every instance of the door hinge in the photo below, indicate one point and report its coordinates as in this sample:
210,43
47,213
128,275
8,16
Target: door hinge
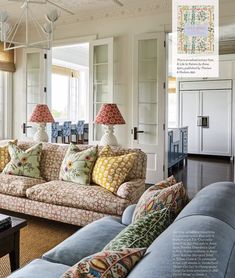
164,43
45,56
163,168
164,85
45,89
164,126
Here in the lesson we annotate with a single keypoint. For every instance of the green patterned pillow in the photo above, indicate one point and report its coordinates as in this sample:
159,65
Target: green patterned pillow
106,264
77,165
142,233
24,163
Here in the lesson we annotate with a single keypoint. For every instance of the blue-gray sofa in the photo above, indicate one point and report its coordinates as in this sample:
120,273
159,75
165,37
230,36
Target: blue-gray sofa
211,213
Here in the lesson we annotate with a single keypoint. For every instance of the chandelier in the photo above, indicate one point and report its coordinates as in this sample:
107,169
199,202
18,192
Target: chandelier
27,31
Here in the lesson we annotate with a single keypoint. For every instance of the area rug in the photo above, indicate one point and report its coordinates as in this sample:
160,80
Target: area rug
39,236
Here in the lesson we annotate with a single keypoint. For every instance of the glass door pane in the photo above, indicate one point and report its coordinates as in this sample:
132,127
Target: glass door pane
147,91
33,87
102,88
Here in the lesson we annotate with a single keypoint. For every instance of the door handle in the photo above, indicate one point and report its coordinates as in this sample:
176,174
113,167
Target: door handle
136,131
203,121
24,126
199,120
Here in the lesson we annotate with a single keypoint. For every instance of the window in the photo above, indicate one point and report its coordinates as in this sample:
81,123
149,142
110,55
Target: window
69,97
70,83
60,92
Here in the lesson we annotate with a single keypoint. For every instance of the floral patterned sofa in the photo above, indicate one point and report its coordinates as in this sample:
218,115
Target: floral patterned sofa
68,202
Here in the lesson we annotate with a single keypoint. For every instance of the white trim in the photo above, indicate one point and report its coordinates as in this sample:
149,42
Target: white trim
73,41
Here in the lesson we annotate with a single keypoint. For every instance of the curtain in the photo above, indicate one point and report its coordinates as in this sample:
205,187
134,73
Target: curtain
7,59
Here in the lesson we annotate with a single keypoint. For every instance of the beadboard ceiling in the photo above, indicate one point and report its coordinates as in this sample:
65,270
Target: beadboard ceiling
87,10
90,9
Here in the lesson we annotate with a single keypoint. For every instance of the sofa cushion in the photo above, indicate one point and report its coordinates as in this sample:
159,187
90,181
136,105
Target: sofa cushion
216,200
174,196
40,268
128,215
110,171
16,185
149,193
164,183
53,155
24,163
77,165
87,197
4,155
162,258
143,232
88,240
115,264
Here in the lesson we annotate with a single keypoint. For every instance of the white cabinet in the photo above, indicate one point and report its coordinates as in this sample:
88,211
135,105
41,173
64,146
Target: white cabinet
206,109
101,82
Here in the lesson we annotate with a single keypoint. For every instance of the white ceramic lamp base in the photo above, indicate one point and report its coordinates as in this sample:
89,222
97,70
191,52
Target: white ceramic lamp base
109,138
41,135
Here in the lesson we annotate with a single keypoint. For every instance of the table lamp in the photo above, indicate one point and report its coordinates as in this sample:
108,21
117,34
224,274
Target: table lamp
41,115
109,115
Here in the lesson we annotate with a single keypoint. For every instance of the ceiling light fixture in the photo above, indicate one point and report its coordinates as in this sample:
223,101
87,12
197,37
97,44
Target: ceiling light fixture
11,35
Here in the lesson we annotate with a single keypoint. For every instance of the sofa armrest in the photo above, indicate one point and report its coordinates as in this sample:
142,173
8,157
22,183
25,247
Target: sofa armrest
127,215
132,190
90,239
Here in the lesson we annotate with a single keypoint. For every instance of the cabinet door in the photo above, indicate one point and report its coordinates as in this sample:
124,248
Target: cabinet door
34,86
101,83
190,109
216,139
149,101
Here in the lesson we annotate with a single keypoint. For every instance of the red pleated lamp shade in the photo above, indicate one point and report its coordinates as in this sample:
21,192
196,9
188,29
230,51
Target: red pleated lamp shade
41,114
109,114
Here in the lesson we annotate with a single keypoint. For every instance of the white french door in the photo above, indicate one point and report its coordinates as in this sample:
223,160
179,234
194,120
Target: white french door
149,101
101,82
35,86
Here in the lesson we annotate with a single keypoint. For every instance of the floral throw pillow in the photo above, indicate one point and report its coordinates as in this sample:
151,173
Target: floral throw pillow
143,232
110,171
153,190
24,163
174,197
77,165
106,264
4,155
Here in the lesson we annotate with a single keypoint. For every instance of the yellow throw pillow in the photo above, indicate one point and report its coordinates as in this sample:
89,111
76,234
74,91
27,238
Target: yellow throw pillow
4,155
107,151
110,171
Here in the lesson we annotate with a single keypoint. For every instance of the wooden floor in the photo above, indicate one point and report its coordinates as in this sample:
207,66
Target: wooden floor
200,171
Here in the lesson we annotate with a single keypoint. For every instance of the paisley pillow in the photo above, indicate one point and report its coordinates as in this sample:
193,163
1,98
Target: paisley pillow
24,163
153,190
106,264
77,165
174,197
